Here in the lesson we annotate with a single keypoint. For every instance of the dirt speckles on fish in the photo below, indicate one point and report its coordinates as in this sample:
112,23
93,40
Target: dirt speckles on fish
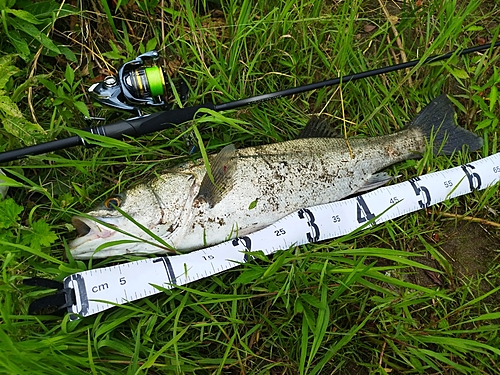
281,178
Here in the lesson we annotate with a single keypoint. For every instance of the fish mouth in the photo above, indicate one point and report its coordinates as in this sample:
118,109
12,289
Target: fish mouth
88,230
82,229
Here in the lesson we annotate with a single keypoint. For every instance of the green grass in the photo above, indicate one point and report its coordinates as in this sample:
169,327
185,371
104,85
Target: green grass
415,295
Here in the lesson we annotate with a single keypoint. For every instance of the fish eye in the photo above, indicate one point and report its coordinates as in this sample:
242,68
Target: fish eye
112,202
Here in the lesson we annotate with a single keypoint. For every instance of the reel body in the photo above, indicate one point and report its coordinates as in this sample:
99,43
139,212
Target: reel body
136,85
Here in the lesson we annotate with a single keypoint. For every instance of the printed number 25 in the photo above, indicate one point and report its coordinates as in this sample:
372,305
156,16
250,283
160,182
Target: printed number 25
279,232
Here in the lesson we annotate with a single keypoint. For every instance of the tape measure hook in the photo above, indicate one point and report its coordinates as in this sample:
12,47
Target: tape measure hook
54,304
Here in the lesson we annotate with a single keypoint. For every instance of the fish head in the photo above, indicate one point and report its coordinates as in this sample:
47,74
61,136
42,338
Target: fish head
117,226
143,220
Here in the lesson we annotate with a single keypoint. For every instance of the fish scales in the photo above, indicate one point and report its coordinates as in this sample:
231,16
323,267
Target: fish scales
314,168
256,186
285,177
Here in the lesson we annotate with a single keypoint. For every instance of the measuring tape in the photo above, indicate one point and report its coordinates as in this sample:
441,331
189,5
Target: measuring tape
96,290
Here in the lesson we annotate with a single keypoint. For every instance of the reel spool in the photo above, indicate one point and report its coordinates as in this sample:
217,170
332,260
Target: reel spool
135,85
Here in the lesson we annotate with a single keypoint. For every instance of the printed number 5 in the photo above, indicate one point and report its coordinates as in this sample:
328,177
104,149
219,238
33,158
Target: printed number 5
426,195
123,281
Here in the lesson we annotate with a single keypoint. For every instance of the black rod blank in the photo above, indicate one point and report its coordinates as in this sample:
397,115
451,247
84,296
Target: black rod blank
353,77
166,119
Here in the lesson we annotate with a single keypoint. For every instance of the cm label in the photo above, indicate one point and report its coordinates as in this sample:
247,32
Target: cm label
100,287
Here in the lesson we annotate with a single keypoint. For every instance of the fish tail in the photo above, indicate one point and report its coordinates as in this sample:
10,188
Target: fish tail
437,123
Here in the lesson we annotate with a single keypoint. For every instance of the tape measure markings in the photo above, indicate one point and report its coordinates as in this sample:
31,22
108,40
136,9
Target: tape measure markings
134,280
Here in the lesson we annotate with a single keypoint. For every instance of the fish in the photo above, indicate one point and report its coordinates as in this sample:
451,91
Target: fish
186,208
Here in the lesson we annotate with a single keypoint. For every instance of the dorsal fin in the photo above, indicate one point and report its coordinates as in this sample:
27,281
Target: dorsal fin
222,167
319,127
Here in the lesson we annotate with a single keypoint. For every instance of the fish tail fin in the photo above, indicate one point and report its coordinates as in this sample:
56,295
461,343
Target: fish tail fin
437,123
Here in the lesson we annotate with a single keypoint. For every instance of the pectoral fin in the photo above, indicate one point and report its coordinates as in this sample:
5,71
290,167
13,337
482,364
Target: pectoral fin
375,181
222,168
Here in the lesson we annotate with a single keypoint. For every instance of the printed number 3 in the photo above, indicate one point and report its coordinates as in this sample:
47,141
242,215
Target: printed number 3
312,236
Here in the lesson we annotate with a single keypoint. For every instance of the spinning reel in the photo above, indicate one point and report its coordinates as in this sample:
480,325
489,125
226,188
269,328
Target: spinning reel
136,85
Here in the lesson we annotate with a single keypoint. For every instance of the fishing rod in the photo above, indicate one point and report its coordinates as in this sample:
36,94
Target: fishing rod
138,84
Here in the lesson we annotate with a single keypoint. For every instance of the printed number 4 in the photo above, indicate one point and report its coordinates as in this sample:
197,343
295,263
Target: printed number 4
363,213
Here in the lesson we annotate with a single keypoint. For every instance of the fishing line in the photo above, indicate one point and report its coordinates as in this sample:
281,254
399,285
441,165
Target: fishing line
121,92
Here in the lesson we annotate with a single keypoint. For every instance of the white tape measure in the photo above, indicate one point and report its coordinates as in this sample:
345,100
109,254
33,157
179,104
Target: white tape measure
90,291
